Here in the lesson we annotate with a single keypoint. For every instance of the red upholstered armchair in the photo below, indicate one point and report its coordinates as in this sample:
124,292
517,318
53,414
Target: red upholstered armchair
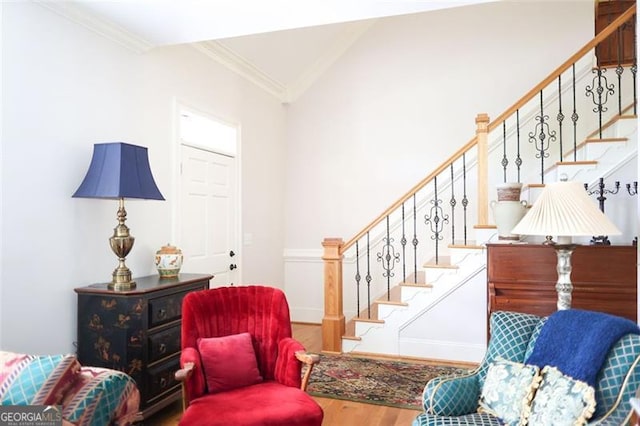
239,363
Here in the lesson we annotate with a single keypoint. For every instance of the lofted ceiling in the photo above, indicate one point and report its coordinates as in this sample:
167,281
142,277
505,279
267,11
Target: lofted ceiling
281,45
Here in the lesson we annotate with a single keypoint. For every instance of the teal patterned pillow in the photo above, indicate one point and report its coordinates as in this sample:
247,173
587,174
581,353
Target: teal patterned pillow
508,389
561,400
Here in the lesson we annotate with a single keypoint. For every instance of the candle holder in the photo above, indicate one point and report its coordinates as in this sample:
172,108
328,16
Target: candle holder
633,191
601,191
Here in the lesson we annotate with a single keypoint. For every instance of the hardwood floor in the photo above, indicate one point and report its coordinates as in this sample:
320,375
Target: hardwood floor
336,412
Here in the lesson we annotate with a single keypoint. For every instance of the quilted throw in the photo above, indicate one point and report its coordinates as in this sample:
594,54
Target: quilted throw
577,342
36,380
89,396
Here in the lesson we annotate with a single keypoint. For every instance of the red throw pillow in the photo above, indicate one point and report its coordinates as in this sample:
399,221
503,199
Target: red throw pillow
229,362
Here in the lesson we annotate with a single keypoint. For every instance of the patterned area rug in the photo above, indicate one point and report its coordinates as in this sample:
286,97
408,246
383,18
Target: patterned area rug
374,381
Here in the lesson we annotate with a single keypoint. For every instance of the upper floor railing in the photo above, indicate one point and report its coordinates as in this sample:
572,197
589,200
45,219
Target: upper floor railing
545,127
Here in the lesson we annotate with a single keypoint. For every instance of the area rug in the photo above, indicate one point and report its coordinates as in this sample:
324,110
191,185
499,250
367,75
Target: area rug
374,381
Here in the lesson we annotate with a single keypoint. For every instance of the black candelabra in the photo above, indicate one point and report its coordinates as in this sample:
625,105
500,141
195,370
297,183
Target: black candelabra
633,191
601,191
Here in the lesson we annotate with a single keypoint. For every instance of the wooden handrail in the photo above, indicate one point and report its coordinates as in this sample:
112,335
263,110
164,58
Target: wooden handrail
606,32
613,26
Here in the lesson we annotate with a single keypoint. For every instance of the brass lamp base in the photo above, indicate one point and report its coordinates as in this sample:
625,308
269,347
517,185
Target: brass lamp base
121,243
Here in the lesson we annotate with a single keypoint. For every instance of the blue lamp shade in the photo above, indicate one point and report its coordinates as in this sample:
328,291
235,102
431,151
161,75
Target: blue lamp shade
119,170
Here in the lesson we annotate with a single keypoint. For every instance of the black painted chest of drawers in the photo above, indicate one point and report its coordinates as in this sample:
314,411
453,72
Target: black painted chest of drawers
137,331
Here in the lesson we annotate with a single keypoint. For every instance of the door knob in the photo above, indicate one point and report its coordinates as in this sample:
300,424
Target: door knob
233,266
232,253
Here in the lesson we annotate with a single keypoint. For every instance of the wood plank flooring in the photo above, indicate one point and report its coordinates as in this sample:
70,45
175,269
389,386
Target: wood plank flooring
336,412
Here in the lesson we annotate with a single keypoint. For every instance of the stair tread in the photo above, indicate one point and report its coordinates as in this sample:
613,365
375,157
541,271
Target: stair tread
484,227
444,262
419,279
605,140
576,163
468,245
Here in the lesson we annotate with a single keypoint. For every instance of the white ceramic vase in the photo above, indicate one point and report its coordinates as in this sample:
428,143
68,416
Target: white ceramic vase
508,210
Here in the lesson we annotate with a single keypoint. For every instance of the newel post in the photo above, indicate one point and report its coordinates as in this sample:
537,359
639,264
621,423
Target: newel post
482,135
333,325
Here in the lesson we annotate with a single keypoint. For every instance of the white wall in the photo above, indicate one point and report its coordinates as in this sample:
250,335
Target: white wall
401,100
66,88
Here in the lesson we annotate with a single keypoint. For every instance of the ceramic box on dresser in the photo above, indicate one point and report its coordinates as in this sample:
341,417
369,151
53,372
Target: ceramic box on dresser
137,331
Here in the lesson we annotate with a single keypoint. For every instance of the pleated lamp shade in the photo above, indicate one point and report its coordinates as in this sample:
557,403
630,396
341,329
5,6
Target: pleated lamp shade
565,210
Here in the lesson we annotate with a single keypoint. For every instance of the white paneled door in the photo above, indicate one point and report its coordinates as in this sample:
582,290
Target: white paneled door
208,233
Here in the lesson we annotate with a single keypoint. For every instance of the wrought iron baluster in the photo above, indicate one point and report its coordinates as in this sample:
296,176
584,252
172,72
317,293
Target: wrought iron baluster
388,257
574,115
436,219
619,68
368,279
452,203
634,69
518,158
560,116
414,242
403,242
539,137
600,91
358,278
504,161
465,200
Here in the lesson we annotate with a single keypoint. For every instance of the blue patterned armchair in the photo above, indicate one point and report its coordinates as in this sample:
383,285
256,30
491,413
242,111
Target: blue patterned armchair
454,400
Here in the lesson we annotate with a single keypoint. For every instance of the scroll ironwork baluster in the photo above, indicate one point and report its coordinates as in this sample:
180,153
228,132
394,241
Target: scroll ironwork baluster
539,137
388,257
600,90
436,219
560,116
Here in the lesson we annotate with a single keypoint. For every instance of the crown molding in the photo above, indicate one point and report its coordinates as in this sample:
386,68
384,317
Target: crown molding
241,66
286,93
337,48
99,26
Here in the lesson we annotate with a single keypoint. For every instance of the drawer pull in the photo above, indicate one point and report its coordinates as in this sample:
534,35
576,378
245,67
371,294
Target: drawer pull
162,313
163,383
162,348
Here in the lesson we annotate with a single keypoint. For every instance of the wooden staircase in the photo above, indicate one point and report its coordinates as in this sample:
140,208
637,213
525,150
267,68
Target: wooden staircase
455,281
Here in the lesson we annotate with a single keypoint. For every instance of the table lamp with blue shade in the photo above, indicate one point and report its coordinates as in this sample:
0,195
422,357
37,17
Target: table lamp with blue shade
117,171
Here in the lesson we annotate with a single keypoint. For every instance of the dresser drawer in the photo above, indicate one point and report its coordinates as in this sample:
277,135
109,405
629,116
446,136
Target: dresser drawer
164,343
165,309
161,378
